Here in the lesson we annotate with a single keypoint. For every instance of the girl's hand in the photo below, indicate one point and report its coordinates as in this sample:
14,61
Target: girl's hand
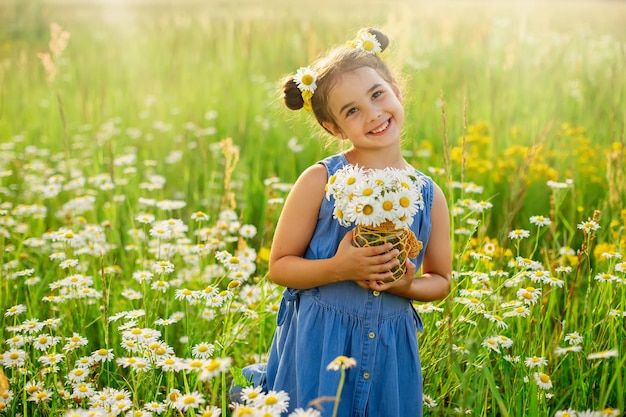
400,285
372,263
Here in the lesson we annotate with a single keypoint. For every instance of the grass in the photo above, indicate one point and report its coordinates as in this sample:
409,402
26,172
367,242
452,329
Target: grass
162,112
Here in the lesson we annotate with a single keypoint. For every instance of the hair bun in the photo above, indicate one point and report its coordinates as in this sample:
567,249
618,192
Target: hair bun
380,37
292,94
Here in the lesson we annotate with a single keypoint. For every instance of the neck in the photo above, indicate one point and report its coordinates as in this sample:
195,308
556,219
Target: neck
376,160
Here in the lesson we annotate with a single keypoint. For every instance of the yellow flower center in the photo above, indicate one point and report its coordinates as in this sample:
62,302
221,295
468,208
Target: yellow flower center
368,45
387,205
405,202
212,366
544,378
307,79
367,192
190,400
271,400
367,209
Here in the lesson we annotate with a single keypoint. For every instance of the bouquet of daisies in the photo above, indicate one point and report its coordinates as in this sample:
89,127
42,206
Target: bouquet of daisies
382,204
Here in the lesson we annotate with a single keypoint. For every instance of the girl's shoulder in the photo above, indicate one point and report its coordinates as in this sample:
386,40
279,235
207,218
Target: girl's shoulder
334,163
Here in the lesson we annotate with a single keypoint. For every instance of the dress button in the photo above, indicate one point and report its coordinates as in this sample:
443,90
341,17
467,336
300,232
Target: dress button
366,375
376,293
372,335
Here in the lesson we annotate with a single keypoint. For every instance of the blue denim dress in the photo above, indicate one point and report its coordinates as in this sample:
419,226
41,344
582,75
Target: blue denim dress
377,329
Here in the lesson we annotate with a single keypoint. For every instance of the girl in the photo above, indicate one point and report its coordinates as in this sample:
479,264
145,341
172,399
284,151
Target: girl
336,303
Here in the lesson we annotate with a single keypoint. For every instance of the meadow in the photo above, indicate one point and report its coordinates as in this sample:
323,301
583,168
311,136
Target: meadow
145,154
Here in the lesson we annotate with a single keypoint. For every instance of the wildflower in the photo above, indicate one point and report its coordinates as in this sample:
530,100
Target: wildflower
511,359
564,350
603,354
574,338
43,395
248,231
309,412
142,276
77,375
427,308
68,263
160,286
529,295
32,326
43,341
187,295
163,267
82,390
604,277
341,362
491,343
540,221
558,185
102,355
460,349
535,361
519,234
539,275
588,226
554,282
51,358
186,401
275,400
521,311
169,364
494,318
214,367
155,407
17,341
543,380
202,350
429,401
209,411
480,206
200,216
15,310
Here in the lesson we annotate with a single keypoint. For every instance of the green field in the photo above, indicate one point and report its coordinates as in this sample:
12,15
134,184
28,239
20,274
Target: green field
140,184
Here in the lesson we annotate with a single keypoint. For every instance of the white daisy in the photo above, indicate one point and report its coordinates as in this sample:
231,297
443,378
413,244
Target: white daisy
306,79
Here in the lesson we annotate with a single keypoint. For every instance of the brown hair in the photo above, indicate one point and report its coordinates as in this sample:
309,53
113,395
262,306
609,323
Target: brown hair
338,61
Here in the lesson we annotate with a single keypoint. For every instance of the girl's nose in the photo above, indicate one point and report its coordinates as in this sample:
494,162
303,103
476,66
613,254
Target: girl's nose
374,113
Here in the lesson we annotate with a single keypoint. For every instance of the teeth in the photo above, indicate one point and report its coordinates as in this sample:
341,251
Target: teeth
383,127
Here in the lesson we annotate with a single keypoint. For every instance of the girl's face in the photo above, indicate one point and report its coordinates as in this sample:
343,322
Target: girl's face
367,109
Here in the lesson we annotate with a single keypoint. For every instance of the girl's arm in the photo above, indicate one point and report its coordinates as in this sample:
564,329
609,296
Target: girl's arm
434,284
294,230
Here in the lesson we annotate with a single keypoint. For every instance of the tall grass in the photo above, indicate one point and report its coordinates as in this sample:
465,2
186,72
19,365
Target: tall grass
160,113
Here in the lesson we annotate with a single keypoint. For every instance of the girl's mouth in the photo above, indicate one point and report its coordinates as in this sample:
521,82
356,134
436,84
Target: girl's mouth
381,128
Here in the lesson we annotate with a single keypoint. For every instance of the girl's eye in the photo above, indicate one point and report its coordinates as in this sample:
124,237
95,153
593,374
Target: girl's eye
377,94
351,111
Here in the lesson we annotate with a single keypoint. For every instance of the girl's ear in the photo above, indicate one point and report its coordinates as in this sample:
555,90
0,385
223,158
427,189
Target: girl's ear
333,130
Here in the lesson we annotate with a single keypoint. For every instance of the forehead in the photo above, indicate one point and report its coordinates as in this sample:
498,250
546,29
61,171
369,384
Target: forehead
351,85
